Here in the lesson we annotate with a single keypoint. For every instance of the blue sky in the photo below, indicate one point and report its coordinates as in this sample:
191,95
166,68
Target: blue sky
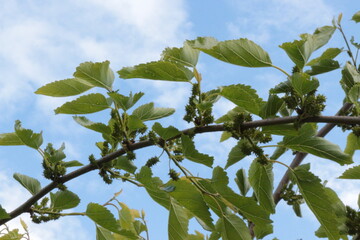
44,41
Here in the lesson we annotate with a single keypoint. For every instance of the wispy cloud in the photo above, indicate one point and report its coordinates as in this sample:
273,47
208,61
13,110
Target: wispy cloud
278,17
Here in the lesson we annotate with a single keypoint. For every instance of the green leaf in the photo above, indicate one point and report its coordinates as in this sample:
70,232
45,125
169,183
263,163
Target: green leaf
282,130
178,222
322,35
124,102
196,236
323,66
64,200
300,51
236,154
31,184
242,182
225,136
246,206
160,70
3,213
317,146
97,74
27,136
230,115
282,87
271,107
329,53
189,197
350,76
279,151
354,95
303,83
233,228
73,163
10,139
352,144
134,123
261,178
355,44
12,235
242,52
104,218
243,96
351,173
186,55
90,103
356,17
64,88
103,234
97,127
124,163
152,186
318,200
165,133
126,218
192,154
147,112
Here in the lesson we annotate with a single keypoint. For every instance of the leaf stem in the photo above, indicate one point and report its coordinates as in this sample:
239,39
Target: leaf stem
281,70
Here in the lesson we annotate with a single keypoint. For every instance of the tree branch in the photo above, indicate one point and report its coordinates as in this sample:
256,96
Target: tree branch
331,120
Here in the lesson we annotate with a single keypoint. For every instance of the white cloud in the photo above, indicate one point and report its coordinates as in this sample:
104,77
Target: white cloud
263,25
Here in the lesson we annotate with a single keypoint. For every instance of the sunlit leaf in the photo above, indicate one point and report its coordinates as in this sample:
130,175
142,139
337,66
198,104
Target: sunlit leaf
261,178
147,112
96,74
3,213
236,154
303,83
318,200
191,153
90,103
246,206
12,235
242,52
271,107
352,144
356,17
317,146
124,163
152,186
98,127
31,184
160,70
125,102
350,76
64,200
323,66
64,88
242,182
329,53
178,222
189,197
10,139
281,129
243,96
186,55
27,136
165,133
104,218
126,218
103,234
72,163
351,173
233,228
230,115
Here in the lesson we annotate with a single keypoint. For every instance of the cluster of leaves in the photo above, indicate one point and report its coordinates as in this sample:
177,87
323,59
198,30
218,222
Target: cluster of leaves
217,207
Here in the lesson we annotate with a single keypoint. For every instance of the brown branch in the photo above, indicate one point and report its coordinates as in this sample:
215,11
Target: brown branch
25,207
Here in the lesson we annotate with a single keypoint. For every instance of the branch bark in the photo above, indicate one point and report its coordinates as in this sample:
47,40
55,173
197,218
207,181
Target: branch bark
331,120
